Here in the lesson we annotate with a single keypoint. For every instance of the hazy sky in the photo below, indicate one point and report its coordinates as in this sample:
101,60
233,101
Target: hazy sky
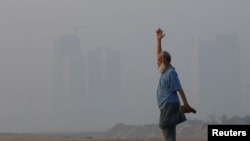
28,28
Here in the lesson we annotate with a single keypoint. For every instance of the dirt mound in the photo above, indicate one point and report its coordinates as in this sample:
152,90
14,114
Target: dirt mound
184,130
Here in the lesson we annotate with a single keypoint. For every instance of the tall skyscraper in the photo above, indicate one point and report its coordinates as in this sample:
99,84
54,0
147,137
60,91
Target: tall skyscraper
193,76
220,76
104,77
69,76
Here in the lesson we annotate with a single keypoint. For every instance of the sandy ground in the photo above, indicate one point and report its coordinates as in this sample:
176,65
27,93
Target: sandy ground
74,139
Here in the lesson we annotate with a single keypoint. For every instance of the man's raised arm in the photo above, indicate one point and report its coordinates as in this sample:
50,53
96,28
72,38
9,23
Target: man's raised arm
159,36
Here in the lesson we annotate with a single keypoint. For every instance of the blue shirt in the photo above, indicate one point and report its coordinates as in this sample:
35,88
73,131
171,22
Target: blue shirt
168,86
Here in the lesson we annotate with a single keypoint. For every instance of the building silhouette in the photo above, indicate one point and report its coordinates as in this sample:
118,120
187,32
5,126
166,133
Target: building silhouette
104,84
86,91
220,76
193,77
69,77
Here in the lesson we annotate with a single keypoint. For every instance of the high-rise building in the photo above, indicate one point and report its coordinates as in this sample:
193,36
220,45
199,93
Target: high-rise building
69,76
220,76
104,79
193,77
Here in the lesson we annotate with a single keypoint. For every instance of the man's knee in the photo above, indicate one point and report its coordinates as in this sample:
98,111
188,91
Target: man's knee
166,124
172,121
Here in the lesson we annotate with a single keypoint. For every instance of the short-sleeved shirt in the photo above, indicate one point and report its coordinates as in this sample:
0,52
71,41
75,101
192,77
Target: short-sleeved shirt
168,86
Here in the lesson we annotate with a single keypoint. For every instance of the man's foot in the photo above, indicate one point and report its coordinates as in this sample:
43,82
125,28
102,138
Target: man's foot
190,110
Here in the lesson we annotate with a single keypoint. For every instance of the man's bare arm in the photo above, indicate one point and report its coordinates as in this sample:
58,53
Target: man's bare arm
186,107
159,36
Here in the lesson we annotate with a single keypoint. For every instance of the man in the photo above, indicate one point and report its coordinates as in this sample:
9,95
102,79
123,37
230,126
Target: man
171,113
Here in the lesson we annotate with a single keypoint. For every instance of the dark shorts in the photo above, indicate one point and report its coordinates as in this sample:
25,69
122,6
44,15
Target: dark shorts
171,115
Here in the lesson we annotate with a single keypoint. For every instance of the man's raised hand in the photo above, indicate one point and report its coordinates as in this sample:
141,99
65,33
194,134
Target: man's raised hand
159,34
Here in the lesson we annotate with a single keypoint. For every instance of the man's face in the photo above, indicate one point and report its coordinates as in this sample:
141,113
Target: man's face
159,61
